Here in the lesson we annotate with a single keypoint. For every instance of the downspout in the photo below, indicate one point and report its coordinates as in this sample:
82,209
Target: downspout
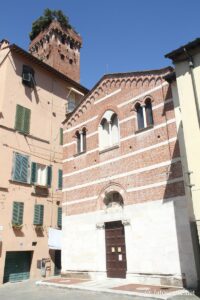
191,66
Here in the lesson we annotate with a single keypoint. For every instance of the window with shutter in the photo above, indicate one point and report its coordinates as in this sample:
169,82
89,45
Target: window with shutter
49,176
38,214
17,215
21,168
61,136
28,76
22,119
40,174
59,219
60,173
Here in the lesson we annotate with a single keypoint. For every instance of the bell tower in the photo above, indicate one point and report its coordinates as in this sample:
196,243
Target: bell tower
59,48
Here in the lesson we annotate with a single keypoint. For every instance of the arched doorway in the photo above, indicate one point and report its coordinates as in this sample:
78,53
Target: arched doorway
115,238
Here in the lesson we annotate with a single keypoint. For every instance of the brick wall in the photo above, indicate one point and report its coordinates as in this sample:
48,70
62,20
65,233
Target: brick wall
145,166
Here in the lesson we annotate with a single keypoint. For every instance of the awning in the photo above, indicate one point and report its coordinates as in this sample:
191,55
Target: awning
54,241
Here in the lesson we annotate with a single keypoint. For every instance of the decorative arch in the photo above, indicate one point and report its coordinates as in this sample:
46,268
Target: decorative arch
108,130
107,191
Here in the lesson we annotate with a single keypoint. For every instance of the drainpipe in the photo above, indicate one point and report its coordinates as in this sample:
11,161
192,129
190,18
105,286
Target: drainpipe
191,66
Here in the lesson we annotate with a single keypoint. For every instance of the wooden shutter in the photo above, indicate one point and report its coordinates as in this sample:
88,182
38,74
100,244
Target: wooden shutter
60,174
27,114
59,220
22,119
49,176
17,216
21,167
19,117
38,214
33,172
61,136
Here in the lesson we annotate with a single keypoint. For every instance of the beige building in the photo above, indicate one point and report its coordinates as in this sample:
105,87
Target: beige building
33,104
186,97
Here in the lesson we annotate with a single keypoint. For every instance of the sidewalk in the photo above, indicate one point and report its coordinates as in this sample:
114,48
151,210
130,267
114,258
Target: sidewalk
119,286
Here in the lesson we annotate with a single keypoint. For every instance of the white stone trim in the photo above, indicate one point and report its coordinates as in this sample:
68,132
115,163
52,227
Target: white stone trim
121,157
80,124
140,170
69,144
162,104
127,119
68,203
84,154
107,96
149,130
142,95
157,184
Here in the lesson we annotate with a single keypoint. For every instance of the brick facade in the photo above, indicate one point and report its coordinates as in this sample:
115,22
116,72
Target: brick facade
59,48
136,163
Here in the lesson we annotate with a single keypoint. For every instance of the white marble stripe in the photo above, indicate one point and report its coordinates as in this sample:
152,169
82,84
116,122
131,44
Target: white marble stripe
149,130
121,157
80,124
107,96
82,155
162,104
127,119
142,95
157,184
140,170
67,203
168,199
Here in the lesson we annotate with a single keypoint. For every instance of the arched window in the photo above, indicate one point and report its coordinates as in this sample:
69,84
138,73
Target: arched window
148,112
81,141
114,129
78,142
144,114
108,130
140,116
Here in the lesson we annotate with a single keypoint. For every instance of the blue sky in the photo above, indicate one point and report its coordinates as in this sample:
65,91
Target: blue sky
118,36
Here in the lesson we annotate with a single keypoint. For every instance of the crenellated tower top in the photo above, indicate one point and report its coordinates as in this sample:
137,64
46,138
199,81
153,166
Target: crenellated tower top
60,48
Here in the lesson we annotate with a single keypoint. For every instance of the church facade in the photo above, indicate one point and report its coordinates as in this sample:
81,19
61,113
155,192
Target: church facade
125,213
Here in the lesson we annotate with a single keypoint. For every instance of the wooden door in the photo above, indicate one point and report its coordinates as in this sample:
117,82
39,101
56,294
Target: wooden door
115,250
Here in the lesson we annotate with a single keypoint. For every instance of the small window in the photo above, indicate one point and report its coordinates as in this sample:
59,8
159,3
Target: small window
41,175
60,179
22,119
81,141
71,104
28,76
21,168
71,61
61,136
38,214
62,56
17,214
59,217
140,117
149,113
144,114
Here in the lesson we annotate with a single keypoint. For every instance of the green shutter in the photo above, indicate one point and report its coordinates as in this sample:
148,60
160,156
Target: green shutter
20,168
19,117
59,220
22,119
17,216
61,136
49,176
27,114
60,174
38,214
33,172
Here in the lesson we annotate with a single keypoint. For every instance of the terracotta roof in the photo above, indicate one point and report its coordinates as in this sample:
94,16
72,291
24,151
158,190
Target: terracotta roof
33,59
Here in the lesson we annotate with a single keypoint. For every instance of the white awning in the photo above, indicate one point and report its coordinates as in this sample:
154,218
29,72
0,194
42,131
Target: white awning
54,241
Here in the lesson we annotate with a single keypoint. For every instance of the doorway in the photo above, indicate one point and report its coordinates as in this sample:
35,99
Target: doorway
115,249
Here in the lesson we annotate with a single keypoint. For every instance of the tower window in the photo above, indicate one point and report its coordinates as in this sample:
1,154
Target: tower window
71,61
62,56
